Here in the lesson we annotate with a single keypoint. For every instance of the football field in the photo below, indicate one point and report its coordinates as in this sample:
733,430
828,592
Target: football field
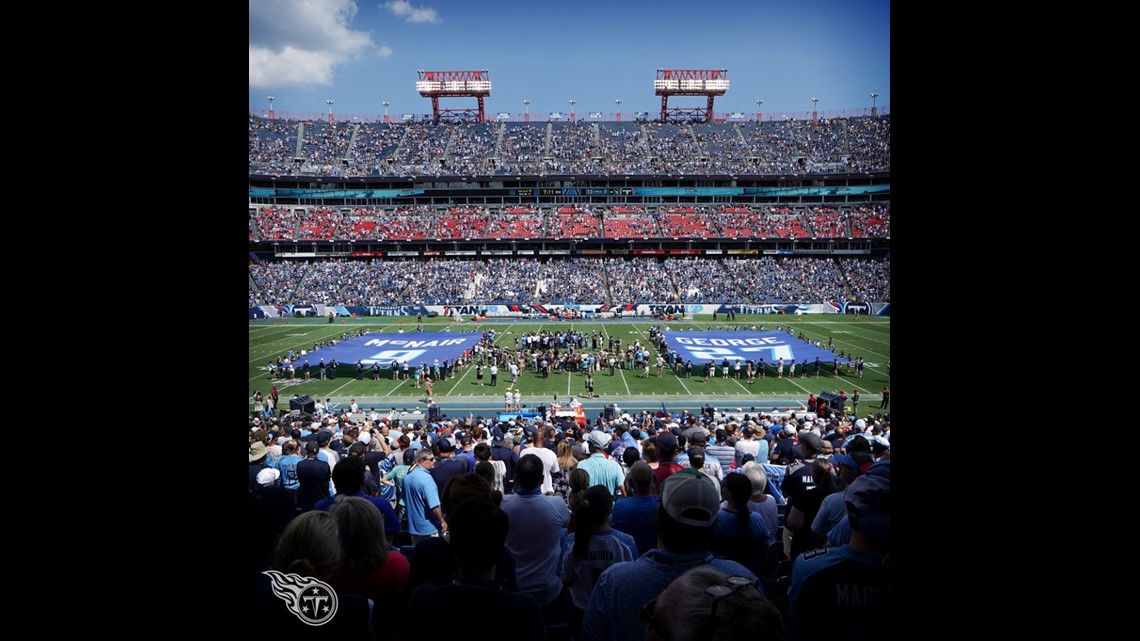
461,394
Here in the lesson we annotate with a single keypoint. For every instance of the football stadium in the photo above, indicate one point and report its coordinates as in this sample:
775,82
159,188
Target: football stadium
625,373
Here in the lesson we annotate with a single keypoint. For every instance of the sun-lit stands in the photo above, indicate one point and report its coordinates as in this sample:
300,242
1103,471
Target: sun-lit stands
770,280
672,149
376,143
573,222
736,221
723,146
686,222
325,145
868,143
772,144
572,148
444,282
827,222
576,280
506,280
378,282
638,279
424,148
697,280
782,222
272,144
471,145
788,146
867,280
515,222
626,221
277,283
407,223
276,223
462,222
819,144
318,224
621,148
872,221
522,148
360,224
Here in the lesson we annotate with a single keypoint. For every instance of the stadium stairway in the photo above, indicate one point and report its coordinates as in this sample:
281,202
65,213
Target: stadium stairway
736,128
450,142
499,142
299,151
696,141
597,134
546,143
400,146
351,143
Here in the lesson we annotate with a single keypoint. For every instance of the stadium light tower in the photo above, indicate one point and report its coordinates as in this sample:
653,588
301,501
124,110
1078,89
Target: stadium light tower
759,116
330,104
526,105
618,103
271,99
572,102
690,82
815,108
454,84
386,103
874,107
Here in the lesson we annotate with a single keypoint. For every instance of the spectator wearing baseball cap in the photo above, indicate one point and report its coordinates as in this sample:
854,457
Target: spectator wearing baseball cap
602,469
848,467
667,446
823,579
799,478
686,519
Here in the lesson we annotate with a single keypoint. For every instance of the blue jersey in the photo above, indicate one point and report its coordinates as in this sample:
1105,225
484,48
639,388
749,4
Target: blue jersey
288,468
838,593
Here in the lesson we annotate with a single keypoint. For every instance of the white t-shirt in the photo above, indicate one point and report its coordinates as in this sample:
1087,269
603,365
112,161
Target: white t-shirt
549,465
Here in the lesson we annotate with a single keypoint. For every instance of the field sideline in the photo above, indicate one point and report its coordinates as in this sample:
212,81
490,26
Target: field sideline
866,337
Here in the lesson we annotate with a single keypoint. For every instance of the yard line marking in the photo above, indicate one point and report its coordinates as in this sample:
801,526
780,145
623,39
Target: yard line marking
466,370
270,353
681,382
738,384
624,383
333,393
618,369
394,388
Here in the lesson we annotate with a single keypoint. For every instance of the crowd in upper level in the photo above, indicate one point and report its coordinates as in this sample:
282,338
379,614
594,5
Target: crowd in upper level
314,147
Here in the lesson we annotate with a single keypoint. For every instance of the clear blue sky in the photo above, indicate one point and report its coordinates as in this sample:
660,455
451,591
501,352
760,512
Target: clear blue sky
362,53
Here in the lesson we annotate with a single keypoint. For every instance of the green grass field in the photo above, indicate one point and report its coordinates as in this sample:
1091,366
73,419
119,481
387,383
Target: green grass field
866,337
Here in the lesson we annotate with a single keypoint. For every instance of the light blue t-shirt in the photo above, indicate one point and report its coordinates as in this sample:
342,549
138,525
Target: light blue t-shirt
421,496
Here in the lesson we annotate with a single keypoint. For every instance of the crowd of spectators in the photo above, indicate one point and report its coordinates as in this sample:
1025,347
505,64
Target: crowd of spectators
671,528
319,224
275,223
410,222
426,149
871,221
639,279
574,280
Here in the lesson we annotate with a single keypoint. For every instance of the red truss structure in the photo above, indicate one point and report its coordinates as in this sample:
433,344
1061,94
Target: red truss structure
454,84
689,82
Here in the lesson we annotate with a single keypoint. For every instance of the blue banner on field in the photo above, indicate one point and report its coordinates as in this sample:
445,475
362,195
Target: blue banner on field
414,348
701,347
